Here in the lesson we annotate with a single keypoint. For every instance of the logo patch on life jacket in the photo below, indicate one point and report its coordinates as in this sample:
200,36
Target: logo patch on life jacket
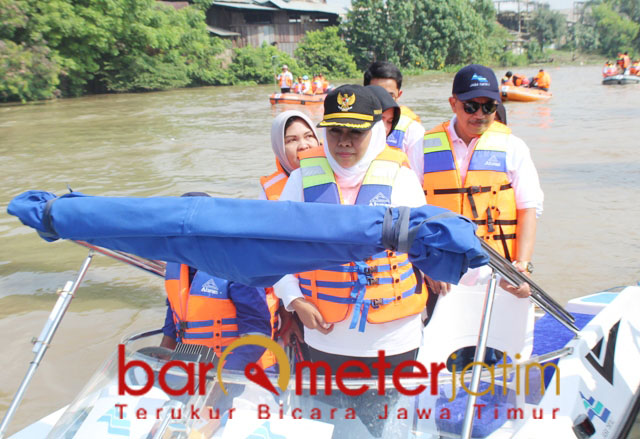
379,200
210,287
492,161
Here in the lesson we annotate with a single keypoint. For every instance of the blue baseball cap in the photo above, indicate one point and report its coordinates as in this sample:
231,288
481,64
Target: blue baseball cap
476,81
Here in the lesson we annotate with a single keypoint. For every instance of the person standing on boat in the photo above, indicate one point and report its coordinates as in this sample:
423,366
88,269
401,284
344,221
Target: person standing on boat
285,79
291,133
354,310
408,133
475,166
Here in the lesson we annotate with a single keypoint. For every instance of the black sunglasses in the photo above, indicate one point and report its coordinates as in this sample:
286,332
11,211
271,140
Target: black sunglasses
471,107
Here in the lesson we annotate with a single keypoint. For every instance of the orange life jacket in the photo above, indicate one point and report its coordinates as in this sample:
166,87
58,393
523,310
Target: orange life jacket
543,80
274,183
285,80
203,312
519,80
486,197
384,287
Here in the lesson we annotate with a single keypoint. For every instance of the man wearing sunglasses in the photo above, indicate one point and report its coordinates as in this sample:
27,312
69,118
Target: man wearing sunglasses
474,166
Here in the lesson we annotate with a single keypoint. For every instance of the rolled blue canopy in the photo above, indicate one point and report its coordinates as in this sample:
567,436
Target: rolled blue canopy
255,242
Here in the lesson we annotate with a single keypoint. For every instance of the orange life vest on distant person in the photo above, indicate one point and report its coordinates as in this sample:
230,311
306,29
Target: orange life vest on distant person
519,80
203,312
274,183
486,197
384,287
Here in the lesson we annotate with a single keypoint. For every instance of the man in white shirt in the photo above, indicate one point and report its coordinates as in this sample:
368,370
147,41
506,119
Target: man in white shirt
476,167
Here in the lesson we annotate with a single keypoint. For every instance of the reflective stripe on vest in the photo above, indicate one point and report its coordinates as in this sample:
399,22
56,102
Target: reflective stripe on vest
202,312
383,288
274,183
486,196
396,137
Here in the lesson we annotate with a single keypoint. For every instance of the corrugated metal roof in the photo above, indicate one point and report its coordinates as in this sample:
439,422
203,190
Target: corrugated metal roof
304,6
251,6
222,32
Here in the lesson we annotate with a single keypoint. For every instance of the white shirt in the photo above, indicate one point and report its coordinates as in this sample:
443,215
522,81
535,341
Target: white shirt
413,139
393,337
521,171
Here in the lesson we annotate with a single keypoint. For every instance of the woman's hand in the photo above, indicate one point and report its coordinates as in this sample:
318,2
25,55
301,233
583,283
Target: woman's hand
310,316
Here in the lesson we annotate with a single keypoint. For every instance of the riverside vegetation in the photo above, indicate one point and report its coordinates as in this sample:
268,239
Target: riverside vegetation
57,48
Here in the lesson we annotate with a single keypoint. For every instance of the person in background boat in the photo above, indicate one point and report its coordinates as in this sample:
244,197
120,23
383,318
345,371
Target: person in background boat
291,133
408,133
390,108
307,87
635,68
206,310
475,166
609,69
297,86
325,83
285,79
518,80
506,79
541,81
353,311
318,86
624,62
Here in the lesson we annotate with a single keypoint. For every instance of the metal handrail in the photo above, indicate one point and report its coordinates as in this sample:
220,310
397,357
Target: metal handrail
148,265
538,296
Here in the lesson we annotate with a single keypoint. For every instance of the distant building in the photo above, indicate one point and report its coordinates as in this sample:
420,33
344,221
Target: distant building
277,22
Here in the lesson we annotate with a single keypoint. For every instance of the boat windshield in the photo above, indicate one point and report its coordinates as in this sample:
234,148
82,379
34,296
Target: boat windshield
388,407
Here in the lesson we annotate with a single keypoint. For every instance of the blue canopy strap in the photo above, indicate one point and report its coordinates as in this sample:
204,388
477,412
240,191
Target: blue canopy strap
252,241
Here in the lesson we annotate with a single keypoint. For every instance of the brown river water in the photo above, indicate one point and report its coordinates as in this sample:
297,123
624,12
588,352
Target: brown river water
216,140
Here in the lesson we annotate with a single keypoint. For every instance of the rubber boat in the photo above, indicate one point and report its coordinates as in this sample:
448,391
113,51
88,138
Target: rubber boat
565,373
296,99
621,79
523,94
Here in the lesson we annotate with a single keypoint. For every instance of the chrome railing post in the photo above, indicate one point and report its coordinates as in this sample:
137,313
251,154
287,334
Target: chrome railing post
483,336
46,335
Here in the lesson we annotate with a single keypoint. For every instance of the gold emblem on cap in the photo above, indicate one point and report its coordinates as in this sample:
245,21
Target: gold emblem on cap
345,102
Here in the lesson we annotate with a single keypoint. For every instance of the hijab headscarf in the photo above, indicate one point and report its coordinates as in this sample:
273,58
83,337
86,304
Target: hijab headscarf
277,135
353,176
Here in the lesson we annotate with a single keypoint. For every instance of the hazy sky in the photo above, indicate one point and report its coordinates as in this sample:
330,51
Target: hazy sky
555,4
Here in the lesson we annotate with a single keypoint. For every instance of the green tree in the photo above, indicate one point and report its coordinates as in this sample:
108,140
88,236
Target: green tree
423,33
257,65
114,45
323,51
614,32
548,26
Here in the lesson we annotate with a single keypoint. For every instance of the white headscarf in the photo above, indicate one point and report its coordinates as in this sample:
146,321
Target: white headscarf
353,176
277,135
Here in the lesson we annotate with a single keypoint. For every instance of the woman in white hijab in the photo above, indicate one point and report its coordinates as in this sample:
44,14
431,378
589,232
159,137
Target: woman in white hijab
291,132
351,312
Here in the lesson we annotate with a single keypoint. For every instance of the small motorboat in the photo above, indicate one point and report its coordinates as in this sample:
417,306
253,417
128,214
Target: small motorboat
523,94
621,79
296,98
562,373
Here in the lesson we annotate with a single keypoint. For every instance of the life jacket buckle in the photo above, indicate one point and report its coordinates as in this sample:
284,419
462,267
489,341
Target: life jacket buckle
474,189
370,270
372,281
376,303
